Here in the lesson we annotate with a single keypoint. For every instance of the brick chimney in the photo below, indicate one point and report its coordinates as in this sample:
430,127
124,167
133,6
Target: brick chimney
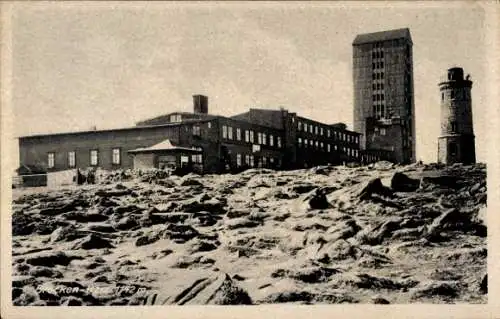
200,104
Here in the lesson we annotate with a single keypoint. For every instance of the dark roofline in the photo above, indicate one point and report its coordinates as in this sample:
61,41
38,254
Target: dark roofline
167,115
100,131
403,33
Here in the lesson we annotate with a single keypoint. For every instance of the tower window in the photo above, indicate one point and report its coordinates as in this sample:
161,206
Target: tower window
452,149
454,126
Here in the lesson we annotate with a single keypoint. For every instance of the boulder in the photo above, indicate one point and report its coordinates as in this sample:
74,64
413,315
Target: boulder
483,286
50,258
436,288
126,223
42,271
179,232
65,233
216,290
146,240
372,187
317,200
242,222
402,183
93,241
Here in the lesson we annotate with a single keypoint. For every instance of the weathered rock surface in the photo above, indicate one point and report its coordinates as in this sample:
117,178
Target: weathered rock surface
380,234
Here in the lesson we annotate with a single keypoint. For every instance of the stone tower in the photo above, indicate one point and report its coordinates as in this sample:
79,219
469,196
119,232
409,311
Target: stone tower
456,142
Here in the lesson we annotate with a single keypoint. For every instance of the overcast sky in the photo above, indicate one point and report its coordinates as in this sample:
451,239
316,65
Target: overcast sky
110,65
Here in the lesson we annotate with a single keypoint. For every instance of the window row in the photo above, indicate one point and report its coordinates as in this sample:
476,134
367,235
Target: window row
378,54
378,111
320,145
318,130
197,158
378,76
250,160
378,86
378,65
262,138
93,158
378,97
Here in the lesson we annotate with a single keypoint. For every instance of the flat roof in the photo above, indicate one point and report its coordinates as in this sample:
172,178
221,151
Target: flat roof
382,36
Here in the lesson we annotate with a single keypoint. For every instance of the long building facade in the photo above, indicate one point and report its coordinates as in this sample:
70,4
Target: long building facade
384,108
276,139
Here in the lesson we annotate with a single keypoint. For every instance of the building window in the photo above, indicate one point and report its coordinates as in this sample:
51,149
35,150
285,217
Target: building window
322,145
251,137
209,125
316,144
197,158
299,141
299,125
279,141
382,131
264,139
238,134
224,131
196,130
71,159
316,130
328,147
259,138
238,160
252,163
264,161
321,131
230,132
247,160
51,160
271,140
454,126
310,128
305,142
247,136
116,156
328,133
311,143
94,157
175,118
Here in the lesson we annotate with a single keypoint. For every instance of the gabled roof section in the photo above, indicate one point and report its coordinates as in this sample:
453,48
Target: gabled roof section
165,145
403,33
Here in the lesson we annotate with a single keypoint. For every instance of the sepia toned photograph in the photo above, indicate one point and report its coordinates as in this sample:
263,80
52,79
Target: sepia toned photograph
249,154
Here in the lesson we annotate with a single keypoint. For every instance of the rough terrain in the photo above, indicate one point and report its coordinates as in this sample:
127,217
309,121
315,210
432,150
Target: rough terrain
375,234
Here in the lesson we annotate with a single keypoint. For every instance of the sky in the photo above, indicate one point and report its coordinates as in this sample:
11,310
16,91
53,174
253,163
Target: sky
110,65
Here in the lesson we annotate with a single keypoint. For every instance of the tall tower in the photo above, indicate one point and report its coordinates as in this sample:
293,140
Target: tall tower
456,142
383,92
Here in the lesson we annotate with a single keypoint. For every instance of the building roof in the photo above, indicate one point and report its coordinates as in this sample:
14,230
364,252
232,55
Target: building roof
165,145
165,118
382,36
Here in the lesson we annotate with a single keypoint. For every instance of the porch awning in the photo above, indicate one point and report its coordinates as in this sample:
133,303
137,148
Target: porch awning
163,146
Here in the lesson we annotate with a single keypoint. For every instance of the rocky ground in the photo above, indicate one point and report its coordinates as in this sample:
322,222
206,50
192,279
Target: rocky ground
377,234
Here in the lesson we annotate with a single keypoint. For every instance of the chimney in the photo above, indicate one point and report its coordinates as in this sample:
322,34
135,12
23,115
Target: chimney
200,104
